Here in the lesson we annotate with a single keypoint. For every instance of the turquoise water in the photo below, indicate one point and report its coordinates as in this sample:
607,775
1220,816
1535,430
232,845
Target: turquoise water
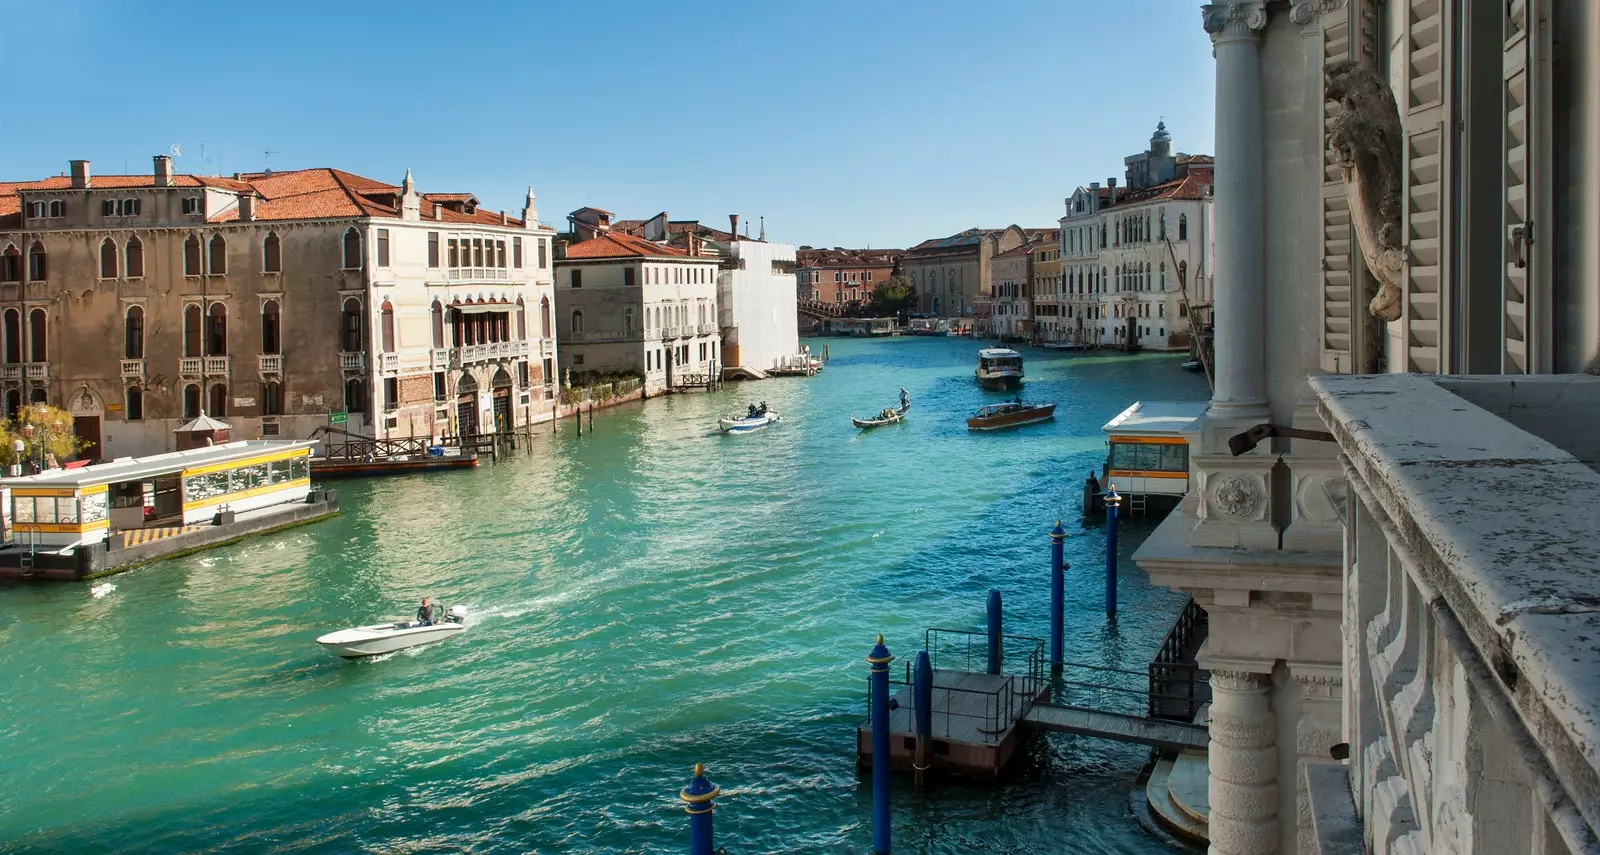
649,596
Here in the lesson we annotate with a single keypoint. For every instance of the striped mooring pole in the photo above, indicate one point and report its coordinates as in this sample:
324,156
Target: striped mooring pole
880,658
697,799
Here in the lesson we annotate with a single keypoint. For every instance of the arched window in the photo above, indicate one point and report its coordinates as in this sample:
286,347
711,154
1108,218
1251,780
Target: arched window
38,263
522,320
219,255
1146,282
627,320
133,333
37,396
1183,274
271,341
191,401
352,249
11,264
108,259
13,403
355,395
271,254
191,329
133,404
134,268
352,325
13,335
219,401
438,324
386,313
36,337
271,398
544,317
217,330
191,256
577,320
1163,276
1183,227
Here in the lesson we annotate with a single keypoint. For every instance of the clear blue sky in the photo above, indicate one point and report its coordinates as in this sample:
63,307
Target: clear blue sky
843,122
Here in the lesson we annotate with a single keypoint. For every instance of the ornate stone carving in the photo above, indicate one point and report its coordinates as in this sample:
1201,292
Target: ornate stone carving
1303,12
1366,139
1240,681
1236,496
1234,17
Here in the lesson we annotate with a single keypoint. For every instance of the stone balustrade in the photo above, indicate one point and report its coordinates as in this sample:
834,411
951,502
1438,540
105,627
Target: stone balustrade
1471,611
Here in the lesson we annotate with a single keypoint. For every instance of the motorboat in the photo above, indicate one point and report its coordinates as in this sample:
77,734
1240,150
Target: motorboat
1010,414
389,637
747,423
999,368
889,416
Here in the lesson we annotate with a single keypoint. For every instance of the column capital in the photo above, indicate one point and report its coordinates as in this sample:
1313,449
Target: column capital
1241,681
1234,20
1305,12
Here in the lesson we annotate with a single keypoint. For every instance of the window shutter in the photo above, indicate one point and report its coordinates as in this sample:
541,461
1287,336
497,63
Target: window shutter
1424,114
1525,323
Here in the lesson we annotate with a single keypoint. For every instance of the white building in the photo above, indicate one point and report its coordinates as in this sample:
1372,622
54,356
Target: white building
756,303
625,305
1130,258
1401,571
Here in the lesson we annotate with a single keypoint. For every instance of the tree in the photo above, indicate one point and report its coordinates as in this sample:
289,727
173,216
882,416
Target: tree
45,432
892,296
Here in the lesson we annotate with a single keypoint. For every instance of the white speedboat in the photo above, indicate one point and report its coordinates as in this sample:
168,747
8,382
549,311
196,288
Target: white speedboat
745,424
389,637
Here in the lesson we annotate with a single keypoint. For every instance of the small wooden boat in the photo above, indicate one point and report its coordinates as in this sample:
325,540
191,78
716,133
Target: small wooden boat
1191,365
889,416
1010,414
747,423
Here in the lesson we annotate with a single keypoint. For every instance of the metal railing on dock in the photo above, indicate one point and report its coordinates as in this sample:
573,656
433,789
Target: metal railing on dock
1178,685
963,706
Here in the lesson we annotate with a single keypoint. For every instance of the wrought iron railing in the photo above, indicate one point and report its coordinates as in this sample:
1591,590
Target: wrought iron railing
1178,686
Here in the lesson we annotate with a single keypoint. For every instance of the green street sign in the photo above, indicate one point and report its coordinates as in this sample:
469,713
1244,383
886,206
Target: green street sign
338,418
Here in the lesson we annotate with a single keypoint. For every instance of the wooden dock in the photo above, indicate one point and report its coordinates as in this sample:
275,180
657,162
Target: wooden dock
1123,728
975,723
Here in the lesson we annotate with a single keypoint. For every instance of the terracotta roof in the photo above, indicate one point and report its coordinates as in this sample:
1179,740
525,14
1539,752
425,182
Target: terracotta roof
621,245
1185,188
840,257
1195,159
302,194
674,227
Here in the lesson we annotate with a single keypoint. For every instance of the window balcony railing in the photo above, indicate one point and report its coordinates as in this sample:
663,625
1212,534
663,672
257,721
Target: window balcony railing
439,358
133,369
11,372
38,371
269,364
389,362
216,366
547,347
477,274
708,329
355,361
1470,610
189,366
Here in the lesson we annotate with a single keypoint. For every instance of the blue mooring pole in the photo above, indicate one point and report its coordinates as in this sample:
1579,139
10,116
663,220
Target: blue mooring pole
922,697
1113,501
995,652
1058,593
880,659
697,801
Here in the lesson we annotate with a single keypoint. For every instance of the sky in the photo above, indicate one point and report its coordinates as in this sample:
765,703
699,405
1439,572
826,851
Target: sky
841,122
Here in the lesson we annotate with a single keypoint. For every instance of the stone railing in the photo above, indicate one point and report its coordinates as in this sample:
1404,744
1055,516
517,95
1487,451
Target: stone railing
38,371
350,360
133,369
189,366
1471,614
268,364
217,366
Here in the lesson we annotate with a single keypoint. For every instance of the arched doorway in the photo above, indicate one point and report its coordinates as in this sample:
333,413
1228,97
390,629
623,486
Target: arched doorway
466,406
87,409
503,420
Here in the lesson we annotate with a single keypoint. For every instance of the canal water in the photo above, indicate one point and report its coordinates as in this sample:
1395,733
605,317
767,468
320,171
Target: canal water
652,595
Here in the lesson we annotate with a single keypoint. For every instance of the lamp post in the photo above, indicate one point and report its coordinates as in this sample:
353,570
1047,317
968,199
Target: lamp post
18,448
27,431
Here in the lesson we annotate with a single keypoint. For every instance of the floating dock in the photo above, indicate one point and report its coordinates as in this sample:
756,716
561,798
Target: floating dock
324,467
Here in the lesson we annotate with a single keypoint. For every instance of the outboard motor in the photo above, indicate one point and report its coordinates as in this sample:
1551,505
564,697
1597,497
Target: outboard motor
458,614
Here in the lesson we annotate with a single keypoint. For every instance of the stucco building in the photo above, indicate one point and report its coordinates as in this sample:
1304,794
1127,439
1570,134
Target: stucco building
1137,258
626,305
1009,303
1401,651
840,276
949,273
271,301
1049,286
756,303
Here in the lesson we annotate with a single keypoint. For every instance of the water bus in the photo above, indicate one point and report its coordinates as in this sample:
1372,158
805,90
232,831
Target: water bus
999,368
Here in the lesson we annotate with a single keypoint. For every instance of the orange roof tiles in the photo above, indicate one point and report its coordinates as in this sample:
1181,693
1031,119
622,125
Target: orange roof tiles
621,245
1183,188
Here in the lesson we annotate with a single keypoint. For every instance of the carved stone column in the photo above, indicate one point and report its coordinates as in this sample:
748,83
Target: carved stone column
1244,765
1241,371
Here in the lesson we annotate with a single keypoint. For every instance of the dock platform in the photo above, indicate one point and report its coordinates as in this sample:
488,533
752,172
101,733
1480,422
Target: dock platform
976,723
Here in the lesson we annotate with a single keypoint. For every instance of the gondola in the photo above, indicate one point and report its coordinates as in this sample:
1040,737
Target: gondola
889,416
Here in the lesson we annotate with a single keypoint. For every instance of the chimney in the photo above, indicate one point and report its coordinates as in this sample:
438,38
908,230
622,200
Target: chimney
1112,183
733,225
561,249
504,221
163,171
247,207
438,211
80,174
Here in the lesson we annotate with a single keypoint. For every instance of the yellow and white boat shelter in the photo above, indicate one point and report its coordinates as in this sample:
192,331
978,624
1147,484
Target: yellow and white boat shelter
1148,447
72,507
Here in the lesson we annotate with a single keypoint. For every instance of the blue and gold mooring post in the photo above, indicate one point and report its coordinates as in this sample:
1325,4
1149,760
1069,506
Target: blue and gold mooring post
880,659
1058,593
922,697
1113,501
996,654
697,801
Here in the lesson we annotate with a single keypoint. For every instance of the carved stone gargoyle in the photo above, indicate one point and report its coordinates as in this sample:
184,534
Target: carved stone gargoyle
1367,142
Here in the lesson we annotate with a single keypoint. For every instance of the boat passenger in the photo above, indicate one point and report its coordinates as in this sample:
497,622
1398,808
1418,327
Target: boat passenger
753,413
425,613
763,410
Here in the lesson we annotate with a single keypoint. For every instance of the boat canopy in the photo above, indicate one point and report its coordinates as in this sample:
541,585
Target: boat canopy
998,353
1157,418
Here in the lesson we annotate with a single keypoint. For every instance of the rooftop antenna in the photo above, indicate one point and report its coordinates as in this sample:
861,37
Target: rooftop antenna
763,236
266,160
